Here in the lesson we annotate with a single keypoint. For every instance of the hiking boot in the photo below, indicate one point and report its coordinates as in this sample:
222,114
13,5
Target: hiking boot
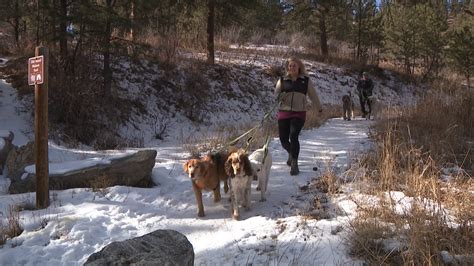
294,167
288,162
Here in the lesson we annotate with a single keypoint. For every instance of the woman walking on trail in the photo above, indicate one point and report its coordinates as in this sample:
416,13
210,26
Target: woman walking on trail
292,90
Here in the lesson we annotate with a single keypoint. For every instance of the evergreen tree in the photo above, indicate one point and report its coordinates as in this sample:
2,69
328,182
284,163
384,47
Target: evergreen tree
461,52
413,36
13,12
316,16
366,30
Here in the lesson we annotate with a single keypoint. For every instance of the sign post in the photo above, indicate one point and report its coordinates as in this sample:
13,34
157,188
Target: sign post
38,76
36,70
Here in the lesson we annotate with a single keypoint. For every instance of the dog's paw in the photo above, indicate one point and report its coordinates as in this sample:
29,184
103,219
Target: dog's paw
263,199
201,214
236,217
258,188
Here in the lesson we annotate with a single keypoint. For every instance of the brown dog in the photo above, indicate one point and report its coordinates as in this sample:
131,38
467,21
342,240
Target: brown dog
206,174
239,168
347,107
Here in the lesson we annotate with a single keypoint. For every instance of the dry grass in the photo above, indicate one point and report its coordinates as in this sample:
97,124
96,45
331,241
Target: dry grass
12,228
434,219
199,144
417,235
328,182
316,119
101,184
440,127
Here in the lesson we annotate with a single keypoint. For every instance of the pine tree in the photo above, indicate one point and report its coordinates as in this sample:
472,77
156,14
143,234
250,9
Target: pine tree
461,52
13,12
366,29
413,36
316,16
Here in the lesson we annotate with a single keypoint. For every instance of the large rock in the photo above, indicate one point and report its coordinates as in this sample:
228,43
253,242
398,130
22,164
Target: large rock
161,247
130,170
6,145
18,159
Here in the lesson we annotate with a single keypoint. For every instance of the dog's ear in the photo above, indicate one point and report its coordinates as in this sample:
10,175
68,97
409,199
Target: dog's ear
228,167
185,166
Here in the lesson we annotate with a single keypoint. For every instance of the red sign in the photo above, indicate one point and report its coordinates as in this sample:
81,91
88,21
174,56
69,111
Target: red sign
35,70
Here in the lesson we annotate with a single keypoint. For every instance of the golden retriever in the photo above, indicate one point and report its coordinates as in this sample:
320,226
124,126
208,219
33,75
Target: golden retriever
206,174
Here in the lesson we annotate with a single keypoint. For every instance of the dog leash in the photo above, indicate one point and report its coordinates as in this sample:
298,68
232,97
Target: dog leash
260,124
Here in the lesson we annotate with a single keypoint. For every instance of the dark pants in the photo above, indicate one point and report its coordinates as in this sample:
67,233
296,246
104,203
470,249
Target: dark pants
289,131
365,101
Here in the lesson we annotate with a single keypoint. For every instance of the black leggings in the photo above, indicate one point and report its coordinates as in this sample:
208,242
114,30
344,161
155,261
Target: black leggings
363,102
289,131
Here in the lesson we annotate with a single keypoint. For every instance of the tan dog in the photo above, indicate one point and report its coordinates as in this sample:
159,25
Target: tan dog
206,174
239,168
347,107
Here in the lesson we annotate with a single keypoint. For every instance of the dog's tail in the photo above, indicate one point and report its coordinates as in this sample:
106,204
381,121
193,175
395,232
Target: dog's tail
265,148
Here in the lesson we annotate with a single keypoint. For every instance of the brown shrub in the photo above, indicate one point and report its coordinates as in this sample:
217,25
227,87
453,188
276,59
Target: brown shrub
411,149
12,228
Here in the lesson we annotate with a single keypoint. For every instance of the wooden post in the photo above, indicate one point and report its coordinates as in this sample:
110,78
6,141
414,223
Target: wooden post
41,134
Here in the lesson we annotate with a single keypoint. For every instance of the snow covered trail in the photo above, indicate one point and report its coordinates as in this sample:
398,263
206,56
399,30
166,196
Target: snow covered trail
80,222
270,233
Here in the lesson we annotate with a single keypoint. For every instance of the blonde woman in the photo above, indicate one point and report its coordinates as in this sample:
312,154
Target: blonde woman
293,90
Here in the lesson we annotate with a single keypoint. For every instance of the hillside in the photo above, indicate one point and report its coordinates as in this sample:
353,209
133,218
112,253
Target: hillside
167,102
236,91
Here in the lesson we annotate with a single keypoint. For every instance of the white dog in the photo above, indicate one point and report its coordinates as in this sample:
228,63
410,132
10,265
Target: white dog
261,165
239,169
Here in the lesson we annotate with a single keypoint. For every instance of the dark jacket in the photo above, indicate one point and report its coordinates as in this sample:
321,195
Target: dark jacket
365,88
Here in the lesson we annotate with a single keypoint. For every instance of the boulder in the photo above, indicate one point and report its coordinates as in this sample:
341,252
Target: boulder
6,145
130,170
161,247
18,159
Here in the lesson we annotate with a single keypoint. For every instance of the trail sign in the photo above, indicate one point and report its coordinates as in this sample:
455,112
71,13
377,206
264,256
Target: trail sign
35,70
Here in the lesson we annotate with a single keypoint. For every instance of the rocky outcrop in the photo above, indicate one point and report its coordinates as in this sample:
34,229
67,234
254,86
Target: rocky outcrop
130,170
6,145
161,247
18,159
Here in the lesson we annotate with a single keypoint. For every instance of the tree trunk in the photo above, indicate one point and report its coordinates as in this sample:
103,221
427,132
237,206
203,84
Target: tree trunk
468,78
38,23
63,32
130,36
210,32
16,24
107,74
359,30
323,35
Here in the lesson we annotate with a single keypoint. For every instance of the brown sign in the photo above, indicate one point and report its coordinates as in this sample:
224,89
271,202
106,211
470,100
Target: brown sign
35,70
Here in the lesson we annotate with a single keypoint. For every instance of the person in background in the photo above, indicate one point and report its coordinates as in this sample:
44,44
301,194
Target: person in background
365,87
292,91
